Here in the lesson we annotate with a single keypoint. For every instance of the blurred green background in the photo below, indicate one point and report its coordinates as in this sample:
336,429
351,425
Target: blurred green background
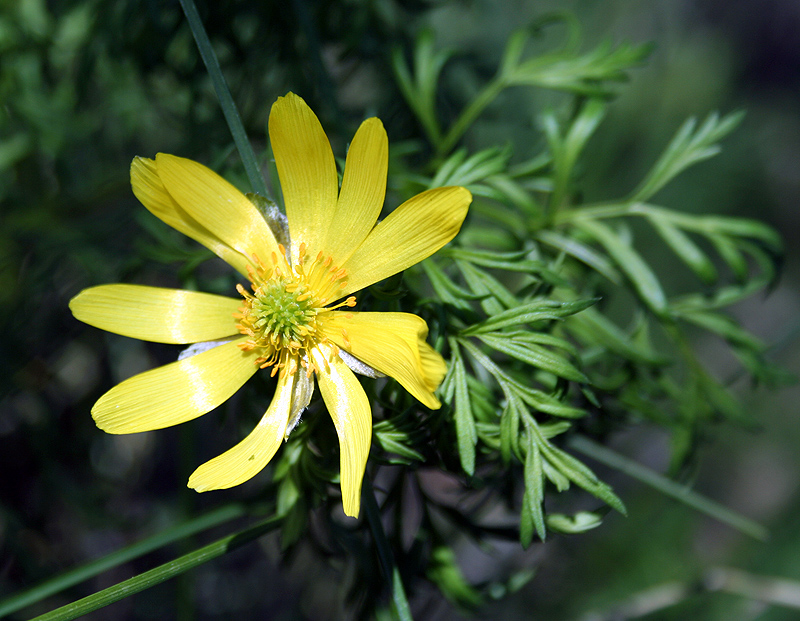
87,85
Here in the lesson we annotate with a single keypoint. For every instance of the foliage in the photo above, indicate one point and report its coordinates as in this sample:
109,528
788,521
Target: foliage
556,318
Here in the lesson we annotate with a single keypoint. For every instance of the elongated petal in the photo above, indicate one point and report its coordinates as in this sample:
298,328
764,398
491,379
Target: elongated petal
150,190
307,172
217,205
390,343
363,191
412,232
156,314
176,392
248,458
352,417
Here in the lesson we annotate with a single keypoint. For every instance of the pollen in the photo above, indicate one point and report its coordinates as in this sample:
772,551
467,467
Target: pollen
283,312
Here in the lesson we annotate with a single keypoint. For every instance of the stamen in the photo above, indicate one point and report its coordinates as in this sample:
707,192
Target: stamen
283,316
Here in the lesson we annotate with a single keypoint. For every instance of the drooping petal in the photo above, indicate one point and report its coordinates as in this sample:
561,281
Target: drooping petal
217,205
432,364
150,190
176,392
390,343
307,172
363,191
156,314
248,458
352,417
411,233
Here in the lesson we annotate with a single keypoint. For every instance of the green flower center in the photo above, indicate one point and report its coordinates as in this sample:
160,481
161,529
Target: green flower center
282,313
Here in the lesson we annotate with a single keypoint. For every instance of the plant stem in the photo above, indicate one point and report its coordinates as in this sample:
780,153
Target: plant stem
468,116
225,100
668,487
159,540
401,607
159,574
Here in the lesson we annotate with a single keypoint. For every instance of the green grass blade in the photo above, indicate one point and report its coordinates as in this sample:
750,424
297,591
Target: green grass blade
161,573
225,99
89,570
668,487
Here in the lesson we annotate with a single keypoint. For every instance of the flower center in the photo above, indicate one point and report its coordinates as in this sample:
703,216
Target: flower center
283,314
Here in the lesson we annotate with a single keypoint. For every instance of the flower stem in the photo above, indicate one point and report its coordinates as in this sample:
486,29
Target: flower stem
468,116
225,100
668,487
159,540
161,573
401,607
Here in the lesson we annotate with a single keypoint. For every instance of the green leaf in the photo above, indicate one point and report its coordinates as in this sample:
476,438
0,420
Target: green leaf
396,434
465,422
725,327
495,298
288,495
630,262
731,254
746,228
542,338
13,149
535,356
595,328
507,190
534,484
460,170
686,148
446,574
582,73
581,475
723,401
567,149
530,313
419,89
581,252
551,430
546,403
448,291
555,476
685,248
511,261
580,522
526,525
509,432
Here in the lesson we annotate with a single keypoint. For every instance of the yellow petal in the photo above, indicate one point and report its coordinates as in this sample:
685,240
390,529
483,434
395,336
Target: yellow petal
176,392
390,343
248,458
155,314
150,190
363,191
352,417
307,172
433,365
411,233
217,205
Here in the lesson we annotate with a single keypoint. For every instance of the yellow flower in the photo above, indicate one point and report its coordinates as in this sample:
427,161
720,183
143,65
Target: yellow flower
295,320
